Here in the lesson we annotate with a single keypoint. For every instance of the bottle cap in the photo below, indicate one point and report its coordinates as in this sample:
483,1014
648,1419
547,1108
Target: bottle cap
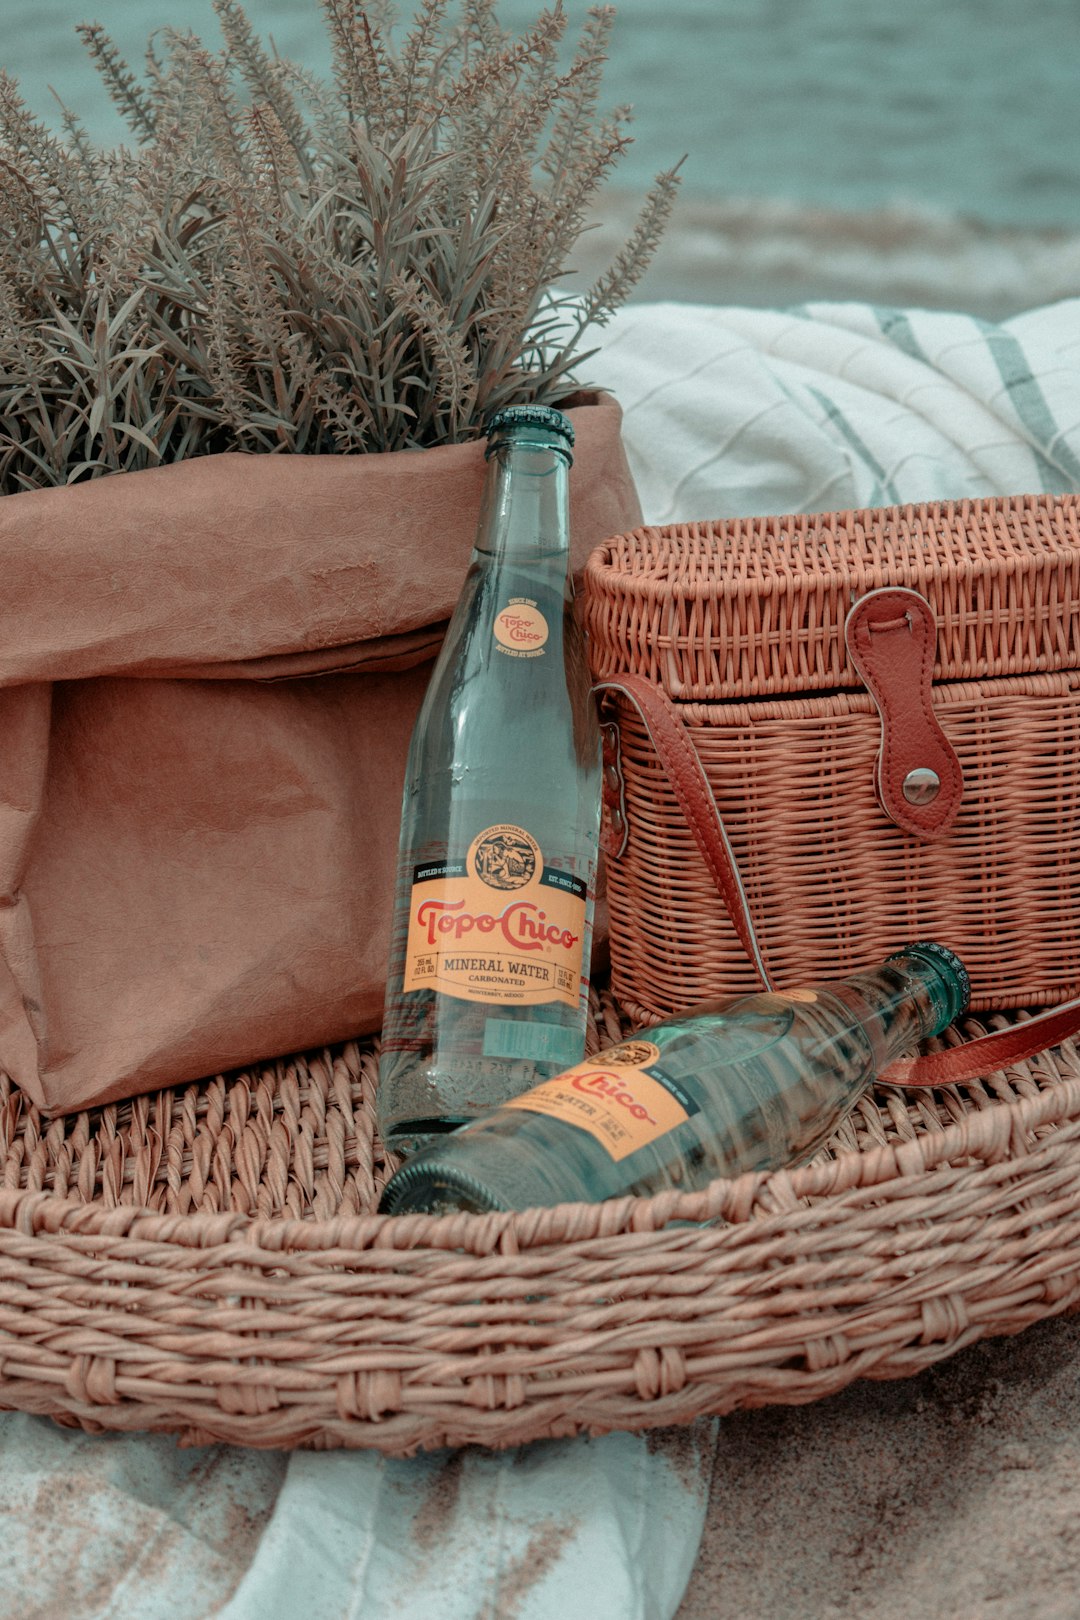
955,974
545,417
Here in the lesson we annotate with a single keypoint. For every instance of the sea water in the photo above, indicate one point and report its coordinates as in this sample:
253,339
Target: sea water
829,145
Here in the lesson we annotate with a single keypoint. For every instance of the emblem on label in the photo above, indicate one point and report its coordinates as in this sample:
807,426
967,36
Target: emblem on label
504,857
521,629
498,926
633,1054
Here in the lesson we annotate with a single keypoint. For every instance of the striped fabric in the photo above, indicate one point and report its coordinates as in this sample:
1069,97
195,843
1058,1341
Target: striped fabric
735,412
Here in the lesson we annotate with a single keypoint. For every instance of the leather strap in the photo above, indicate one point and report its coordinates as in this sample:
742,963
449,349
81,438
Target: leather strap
891,636
614,831
683,768
677,754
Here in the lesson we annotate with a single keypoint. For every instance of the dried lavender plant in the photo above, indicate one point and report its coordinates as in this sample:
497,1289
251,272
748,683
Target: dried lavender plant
282,264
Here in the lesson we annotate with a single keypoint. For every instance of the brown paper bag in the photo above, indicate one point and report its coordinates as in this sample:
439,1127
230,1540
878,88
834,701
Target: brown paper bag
208,678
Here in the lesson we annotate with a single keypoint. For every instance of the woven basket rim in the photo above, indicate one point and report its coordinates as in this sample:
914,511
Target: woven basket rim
976,519
854,699
733,586
874,517
950,1219
991,1135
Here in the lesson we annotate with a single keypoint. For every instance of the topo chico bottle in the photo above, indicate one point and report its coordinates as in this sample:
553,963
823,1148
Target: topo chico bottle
488,978
749,1083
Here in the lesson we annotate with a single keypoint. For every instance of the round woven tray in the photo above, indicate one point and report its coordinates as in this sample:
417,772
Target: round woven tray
205,1261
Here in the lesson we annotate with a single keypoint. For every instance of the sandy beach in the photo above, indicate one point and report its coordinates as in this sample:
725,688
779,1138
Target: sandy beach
769,254
948,1496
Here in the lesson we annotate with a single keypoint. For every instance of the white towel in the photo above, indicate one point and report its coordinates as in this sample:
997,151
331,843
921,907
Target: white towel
131,1527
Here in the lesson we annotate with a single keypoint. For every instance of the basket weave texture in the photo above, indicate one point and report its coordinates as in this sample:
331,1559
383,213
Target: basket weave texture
206,1261
741,624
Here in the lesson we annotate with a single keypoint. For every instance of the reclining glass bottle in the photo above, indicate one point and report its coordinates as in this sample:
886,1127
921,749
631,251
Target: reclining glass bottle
488,978
750,1083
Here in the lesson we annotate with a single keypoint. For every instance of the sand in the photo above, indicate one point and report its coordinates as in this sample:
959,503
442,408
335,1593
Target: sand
951,1495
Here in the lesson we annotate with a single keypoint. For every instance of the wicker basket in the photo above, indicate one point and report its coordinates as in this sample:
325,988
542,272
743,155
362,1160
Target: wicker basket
205,1261
742,625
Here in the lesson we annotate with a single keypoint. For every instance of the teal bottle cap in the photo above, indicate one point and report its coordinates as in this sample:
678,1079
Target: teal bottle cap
545,417
954,972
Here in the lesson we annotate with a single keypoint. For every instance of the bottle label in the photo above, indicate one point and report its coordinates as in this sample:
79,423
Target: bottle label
620,1097
533,1039
521,629
498,926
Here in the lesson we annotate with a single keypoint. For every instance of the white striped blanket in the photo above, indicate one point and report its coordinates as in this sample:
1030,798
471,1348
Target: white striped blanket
734,412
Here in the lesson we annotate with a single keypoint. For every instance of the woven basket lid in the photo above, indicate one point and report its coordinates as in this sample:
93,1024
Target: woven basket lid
756,606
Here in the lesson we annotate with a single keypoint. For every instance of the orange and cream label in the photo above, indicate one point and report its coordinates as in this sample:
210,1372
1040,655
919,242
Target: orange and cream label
621,1097
521,629
498,926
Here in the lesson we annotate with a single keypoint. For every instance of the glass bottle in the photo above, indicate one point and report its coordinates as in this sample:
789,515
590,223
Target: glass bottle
488,979
748,1083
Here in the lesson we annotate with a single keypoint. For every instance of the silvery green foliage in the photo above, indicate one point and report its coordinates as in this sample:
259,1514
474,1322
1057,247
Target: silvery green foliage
278,263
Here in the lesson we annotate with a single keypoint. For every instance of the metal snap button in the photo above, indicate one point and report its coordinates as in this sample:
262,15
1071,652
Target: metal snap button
922,785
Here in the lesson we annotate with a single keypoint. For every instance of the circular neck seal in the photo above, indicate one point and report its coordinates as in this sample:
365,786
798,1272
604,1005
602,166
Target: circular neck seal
539,425
951,969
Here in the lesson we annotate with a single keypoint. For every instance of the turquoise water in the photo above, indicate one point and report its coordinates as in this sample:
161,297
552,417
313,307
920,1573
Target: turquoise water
969,108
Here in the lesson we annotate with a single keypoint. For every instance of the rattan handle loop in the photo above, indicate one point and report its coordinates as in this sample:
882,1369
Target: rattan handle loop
677,754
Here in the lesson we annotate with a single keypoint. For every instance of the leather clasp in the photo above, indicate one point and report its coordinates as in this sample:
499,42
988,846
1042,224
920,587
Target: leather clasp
891,636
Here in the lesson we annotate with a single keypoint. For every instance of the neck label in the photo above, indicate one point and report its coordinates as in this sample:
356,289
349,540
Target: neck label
521,629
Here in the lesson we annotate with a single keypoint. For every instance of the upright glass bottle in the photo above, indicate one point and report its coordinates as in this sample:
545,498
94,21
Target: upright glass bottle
488,978
749,1083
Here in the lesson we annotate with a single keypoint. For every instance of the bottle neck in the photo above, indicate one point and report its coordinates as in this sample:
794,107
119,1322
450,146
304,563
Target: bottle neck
525,513
909,998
